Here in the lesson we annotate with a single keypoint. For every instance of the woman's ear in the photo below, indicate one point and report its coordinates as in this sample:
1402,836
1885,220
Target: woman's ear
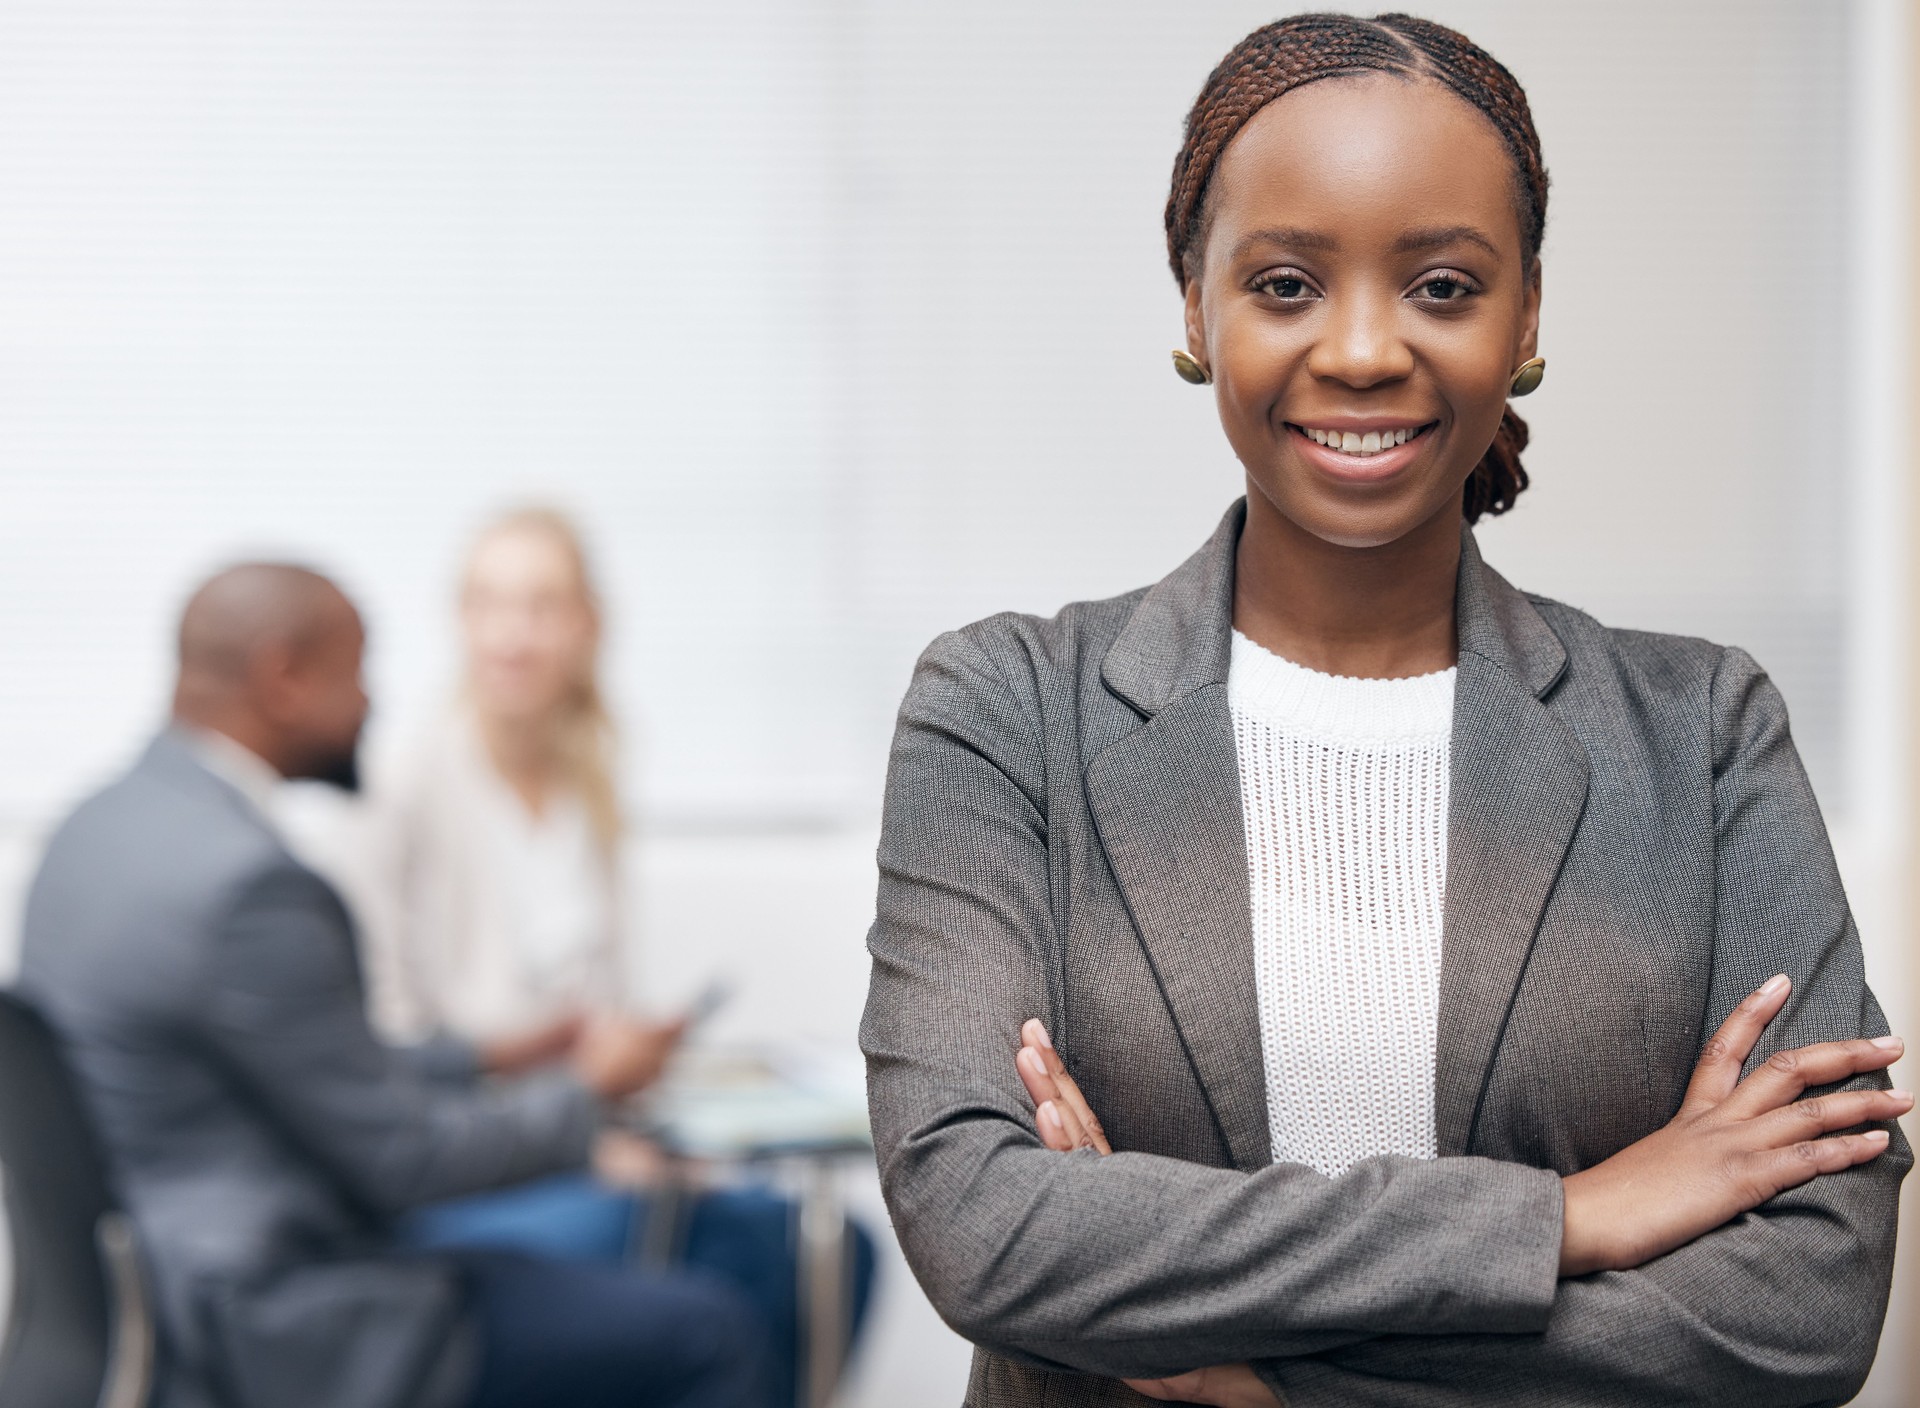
1530,316
1196,325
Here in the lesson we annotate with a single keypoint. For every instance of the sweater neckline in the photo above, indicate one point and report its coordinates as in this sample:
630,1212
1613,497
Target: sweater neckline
1338,708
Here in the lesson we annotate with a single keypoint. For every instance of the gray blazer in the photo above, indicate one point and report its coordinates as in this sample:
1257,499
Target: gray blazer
1632,848
206,988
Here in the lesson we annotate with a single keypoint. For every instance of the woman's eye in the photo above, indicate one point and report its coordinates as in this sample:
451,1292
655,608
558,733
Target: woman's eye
1445,290
1285,287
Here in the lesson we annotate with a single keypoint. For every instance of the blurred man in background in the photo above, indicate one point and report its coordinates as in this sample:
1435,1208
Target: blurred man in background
206,988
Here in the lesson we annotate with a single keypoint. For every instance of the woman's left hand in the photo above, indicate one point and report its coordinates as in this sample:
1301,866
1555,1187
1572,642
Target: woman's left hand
1066,1122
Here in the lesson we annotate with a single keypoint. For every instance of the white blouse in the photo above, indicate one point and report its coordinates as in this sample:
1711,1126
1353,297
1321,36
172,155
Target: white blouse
1343,787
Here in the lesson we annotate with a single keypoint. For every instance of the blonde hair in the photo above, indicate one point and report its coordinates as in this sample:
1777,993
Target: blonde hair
586,738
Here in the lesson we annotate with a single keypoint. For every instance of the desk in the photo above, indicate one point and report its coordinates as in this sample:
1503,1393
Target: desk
785,1109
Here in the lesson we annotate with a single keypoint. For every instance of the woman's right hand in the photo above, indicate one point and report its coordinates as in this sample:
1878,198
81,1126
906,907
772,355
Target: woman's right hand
1066,1123
617,1057
1733,1145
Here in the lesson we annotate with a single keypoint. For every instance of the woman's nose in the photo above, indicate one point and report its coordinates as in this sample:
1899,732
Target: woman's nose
1360,345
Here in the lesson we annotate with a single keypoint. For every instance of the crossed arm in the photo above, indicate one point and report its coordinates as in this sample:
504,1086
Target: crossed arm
1733,1145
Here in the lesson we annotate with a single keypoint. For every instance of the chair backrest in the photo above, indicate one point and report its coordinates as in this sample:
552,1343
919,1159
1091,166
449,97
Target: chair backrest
70,1293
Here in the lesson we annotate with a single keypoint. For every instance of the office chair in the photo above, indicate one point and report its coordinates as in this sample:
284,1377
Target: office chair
81,1332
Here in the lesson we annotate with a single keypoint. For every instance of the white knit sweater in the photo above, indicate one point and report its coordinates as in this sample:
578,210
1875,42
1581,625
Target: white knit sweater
1343,785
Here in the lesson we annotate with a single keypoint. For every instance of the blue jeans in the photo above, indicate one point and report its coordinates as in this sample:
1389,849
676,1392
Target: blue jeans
591,1336
739,1240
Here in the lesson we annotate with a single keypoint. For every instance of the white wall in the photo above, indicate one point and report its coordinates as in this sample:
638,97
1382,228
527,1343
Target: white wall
840,324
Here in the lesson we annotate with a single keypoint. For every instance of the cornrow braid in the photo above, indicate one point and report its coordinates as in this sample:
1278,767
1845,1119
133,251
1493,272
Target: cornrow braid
1290,53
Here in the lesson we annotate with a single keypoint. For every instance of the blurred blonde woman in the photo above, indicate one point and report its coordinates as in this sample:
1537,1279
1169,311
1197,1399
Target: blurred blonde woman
505,819
487,880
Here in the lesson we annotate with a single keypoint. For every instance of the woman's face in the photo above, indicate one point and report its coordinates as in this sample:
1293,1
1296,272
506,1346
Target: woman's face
1363,285
530,631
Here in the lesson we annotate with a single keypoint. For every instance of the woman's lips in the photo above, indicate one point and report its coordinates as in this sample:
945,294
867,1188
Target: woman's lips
1364,465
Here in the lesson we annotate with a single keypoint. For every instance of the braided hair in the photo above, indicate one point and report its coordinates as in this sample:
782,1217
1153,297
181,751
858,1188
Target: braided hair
1287,54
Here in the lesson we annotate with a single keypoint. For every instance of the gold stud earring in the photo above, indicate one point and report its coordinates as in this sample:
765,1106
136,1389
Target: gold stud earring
1527,377
1189,368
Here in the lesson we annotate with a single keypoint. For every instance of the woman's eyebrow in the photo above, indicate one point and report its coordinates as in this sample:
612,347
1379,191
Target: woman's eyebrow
1287,236
1425,241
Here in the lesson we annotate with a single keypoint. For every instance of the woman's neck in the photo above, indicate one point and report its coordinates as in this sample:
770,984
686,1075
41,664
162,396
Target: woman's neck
1373,613
522,752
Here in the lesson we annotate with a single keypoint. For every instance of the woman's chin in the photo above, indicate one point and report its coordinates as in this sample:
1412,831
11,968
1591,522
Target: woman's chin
516,710
1364,522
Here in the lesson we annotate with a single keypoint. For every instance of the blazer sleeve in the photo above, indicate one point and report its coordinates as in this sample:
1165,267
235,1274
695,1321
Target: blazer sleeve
1780,1307
285,1014
443,1057
1135,1264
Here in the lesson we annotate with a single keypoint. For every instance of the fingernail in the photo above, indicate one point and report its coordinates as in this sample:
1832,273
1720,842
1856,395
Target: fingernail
1777,983
1875,1136
1889,1043
1906,1095
1052,1116
1041,1028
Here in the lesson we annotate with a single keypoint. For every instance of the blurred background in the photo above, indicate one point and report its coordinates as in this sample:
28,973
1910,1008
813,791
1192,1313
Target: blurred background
831,322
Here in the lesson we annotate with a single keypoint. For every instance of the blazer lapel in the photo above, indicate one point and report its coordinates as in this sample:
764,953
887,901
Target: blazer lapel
1165,800
1518,789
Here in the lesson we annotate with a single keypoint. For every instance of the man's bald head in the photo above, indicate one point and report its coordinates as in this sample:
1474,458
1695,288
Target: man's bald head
270,656
251,606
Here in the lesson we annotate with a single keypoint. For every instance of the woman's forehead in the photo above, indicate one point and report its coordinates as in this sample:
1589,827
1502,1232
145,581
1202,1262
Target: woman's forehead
520,557
1375,152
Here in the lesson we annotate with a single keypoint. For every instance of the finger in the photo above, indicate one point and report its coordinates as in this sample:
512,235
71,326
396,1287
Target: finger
1239,1386
1782,1077
1069,1089
1033,1074
1717,1071
1181,1388
1070,1092
1780,1169
1824,1114
1053,1130
1033,1032
1077,1131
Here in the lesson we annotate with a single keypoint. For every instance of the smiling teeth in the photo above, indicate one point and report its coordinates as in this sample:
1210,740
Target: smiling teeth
1372,443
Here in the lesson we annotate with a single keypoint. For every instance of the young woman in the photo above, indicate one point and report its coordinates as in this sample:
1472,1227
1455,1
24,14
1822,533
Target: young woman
1409,935
503,823
493,928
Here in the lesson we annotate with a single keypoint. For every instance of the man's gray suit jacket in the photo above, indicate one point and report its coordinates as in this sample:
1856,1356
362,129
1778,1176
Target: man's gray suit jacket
207,990
1632,848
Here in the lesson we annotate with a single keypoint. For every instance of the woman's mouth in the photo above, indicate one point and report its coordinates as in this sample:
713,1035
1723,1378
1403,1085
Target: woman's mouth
1363,443
1362,453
